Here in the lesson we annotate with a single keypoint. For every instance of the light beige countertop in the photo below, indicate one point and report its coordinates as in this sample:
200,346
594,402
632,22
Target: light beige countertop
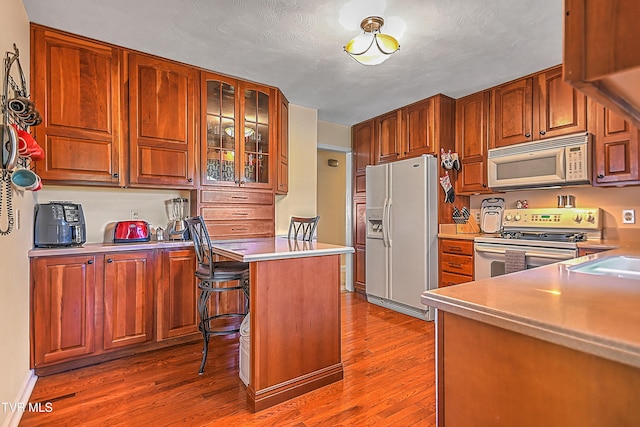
88,248
272,248
595,314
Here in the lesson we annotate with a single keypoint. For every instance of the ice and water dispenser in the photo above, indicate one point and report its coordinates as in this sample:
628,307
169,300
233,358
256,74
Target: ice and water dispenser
374,223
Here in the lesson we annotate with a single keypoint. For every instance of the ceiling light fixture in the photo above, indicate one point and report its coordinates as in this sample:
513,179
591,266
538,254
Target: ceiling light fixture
372,47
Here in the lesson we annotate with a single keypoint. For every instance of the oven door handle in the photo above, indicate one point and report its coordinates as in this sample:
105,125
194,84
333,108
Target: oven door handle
527,253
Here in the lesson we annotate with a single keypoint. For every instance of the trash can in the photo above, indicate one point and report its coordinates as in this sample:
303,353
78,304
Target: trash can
244,350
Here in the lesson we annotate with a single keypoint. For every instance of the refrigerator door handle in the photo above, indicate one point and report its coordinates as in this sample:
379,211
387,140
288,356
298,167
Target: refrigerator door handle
385,215
389,206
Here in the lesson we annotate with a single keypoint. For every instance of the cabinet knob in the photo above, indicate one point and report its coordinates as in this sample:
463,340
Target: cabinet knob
528,135
116,175
600,176
190,180
90,261
484,185
109,260
237,181
542,132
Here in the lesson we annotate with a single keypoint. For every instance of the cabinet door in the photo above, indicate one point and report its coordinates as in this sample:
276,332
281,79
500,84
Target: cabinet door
219,116
258,106
472,132
63,298
387,137
282,175
512,113
420,122
162,122
562,110
362,141
616,149
360,242
128,298
76,87
177,294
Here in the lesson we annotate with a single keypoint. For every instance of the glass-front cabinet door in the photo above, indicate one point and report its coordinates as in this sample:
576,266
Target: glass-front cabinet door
236,140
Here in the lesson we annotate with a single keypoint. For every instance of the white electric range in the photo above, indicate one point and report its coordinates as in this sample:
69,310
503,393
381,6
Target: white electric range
542,236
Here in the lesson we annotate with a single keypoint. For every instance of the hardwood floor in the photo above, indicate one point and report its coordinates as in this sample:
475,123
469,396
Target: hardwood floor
389,380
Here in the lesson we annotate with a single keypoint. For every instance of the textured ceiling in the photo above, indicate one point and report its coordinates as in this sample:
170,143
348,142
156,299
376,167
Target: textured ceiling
454,47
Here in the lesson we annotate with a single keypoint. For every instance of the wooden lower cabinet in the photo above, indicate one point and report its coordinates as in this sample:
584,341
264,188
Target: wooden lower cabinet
93,307
456,261
63,303
177,295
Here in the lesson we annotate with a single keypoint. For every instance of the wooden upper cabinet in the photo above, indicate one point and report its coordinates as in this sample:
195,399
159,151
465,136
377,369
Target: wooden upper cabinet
282,162
561,109
616,149
601,55
362,141
472,141
76,87
513,113
238,127
388,137
128,298
162,122
420,128
536,107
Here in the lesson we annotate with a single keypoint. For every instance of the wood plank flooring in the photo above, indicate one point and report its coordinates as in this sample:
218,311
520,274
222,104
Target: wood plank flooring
389,380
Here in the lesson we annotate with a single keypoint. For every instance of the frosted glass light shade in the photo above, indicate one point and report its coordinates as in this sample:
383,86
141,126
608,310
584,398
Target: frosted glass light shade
372,47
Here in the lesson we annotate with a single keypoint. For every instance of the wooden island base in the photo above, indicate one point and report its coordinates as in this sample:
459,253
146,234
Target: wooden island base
295,328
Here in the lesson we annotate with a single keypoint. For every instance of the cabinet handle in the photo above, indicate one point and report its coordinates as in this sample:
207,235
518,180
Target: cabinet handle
239,197
528,135
600,176
90,261
484,185
452,265
455,248
239,229
190,180
109,260
542,132
240,214
116,175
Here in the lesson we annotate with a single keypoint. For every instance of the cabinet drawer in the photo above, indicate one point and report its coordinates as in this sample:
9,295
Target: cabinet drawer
232,229
452,246
458,264
226,213
227,197
448,279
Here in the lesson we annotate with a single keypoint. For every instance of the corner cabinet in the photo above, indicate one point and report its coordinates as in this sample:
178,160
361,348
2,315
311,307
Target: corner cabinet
282,162
76,86
238,127
616,149
162,122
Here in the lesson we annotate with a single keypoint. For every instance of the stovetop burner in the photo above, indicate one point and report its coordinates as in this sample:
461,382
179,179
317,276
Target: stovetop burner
545,236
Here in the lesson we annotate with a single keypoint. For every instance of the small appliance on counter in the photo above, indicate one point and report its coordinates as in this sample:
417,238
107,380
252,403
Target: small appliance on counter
59,224
131,232
177,228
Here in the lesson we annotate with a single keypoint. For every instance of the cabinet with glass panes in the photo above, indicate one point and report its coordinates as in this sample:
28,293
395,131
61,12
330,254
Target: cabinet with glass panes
232,157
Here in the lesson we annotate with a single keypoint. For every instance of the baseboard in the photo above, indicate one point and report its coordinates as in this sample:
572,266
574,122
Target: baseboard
22,400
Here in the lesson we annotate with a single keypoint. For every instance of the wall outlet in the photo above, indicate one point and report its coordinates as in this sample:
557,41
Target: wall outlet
628,216
134,214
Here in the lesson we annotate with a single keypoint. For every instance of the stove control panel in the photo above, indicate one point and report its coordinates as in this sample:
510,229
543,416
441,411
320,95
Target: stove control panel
565,218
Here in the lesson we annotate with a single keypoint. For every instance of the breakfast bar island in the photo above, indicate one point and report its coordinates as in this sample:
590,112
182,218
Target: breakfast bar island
294,302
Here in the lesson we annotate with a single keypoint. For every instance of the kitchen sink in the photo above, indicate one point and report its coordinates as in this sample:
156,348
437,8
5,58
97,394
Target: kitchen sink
616,266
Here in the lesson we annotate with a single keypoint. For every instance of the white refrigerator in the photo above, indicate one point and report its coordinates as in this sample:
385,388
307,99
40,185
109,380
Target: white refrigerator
402,229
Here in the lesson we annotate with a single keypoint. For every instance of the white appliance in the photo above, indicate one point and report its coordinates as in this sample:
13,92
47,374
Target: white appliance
402,229
564,160
538,236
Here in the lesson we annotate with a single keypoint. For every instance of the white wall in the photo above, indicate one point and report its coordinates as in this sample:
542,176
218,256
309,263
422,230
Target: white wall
303,140
103,206
14,263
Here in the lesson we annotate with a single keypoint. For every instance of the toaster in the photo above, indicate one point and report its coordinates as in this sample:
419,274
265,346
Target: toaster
131,231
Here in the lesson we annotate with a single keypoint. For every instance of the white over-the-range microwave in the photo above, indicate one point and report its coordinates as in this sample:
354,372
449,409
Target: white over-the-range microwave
551,162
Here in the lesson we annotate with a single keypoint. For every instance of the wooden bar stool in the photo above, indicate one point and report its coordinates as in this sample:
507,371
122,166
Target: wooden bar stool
212,275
